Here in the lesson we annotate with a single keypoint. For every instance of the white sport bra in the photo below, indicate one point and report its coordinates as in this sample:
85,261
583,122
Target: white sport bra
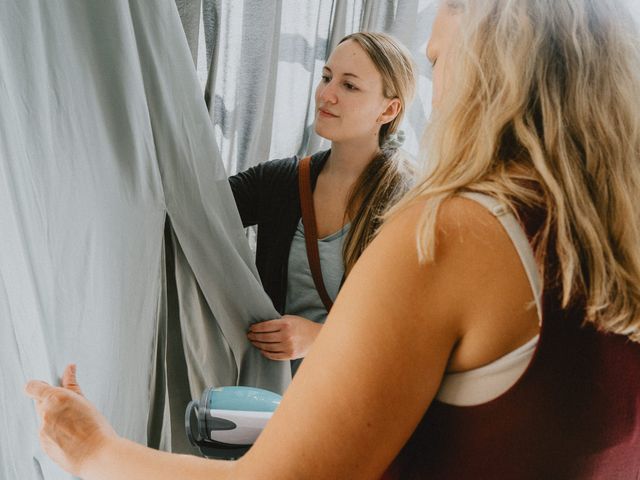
488,382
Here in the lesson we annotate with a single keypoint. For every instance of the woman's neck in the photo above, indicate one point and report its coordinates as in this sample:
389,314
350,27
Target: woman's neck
349,159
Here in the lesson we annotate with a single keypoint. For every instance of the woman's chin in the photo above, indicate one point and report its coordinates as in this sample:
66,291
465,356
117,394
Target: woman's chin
323,132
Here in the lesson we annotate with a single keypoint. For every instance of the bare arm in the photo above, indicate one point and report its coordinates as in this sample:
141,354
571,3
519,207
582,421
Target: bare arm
372,371
370,376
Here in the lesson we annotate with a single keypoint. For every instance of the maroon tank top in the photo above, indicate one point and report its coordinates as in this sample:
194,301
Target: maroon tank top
574,414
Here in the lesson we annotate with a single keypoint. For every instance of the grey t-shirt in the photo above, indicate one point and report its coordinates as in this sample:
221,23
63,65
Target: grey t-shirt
302,297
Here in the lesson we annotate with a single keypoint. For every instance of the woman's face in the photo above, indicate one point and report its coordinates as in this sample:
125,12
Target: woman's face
445,32
350,104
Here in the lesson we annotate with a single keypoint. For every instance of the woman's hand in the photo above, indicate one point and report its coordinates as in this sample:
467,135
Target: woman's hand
286,338
72,429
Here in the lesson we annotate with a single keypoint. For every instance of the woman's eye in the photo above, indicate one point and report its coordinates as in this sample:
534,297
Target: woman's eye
325,78
350,86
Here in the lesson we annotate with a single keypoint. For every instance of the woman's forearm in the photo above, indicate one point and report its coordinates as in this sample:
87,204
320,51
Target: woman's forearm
121,458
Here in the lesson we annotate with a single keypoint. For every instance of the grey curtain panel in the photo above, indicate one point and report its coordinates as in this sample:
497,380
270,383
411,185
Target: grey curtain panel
264,59
106,150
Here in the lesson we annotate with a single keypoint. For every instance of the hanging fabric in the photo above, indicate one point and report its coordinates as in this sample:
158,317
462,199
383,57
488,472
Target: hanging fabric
105,142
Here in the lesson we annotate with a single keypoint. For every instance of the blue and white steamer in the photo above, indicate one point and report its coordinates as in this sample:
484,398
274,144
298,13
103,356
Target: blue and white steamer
228,420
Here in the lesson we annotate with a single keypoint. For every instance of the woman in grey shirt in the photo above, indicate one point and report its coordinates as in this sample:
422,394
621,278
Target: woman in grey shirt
360,101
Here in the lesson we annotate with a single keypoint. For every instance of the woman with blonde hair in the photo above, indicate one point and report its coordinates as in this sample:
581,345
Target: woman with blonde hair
490,330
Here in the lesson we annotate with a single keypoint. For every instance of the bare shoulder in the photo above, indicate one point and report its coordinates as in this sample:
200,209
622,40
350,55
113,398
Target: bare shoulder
476,288
457,218
469,242
464,215
464,229
470,233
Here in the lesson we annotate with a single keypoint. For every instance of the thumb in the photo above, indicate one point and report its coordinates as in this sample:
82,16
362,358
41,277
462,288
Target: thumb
69,380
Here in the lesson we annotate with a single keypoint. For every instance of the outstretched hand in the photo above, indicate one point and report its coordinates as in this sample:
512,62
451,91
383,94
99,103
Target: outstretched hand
286,338
72,429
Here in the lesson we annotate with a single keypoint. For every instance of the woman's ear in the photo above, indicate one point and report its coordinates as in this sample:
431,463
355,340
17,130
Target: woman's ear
391,112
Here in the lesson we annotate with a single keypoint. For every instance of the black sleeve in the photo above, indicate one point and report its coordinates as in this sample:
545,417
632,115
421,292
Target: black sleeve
262,191
247,191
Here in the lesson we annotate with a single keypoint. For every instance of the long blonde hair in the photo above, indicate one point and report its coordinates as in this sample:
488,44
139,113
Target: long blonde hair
543,109
390,174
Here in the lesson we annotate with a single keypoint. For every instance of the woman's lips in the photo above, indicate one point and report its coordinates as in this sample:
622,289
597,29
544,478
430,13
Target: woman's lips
326,114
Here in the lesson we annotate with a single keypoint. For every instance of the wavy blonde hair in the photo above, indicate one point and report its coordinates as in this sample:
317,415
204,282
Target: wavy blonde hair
543,109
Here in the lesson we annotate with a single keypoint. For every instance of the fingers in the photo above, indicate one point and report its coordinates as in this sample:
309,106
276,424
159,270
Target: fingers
273,350
47,398
38,390
268,326
269,347
272,338
276,356
69,380
274,342
268,337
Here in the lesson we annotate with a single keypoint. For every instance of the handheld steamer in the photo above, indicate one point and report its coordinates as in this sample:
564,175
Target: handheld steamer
227,420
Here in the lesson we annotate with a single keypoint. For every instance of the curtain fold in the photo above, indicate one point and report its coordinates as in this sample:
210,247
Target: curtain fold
104,136
190,14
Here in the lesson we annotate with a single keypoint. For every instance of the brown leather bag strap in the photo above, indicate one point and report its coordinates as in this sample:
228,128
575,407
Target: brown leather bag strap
311,229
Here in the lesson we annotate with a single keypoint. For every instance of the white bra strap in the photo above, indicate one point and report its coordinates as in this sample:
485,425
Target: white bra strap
520,241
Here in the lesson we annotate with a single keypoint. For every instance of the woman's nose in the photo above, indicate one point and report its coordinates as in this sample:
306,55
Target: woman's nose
328,93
